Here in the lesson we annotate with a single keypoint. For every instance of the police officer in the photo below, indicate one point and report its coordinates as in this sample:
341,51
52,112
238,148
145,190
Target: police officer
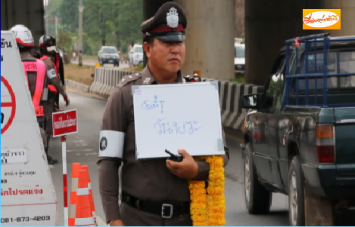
58,61
148,184
35,71
47,49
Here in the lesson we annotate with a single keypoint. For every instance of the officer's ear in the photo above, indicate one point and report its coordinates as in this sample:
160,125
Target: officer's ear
147,49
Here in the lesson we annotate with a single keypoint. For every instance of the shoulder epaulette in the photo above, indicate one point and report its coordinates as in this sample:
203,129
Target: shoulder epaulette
129,78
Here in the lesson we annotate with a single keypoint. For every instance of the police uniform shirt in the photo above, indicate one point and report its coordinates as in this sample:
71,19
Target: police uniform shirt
52,75
145,179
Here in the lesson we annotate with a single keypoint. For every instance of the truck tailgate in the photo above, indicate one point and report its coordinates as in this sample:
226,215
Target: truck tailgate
345,140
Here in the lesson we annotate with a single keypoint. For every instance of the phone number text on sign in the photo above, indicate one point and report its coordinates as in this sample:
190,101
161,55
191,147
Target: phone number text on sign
26,219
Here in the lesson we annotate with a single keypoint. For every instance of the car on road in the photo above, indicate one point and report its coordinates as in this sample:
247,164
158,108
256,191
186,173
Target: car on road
109,55
299,134
136,55
239,56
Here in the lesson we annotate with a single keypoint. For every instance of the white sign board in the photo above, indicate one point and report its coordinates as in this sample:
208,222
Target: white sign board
27,192
177,116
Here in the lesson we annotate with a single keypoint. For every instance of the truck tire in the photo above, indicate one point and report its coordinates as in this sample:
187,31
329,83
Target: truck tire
257,198
295,194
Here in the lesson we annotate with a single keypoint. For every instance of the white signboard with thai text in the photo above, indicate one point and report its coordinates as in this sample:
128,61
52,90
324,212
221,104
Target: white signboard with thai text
177,116
27,192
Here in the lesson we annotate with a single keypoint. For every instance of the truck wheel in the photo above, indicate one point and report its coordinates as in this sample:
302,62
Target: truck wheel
257,198
295,195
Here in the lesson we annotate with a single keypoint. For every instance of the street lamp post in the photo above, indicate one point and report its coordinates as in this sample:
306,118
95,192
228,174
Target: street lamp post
81,9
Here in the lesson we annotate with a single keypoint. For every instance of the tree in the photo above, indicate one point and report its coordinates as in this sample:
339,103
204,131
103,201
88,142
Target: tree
65,42
70,15
106,22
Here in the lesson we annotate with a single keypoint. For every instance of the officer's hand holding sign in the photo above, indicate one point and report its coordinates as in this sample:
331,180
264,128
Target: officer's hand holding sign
187,169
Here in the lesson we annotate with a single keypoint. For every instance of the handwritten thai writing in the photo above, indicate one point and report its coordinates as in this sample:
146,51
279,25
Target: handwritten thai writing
173,127
153,105
22,192
64,124
20,173
311,20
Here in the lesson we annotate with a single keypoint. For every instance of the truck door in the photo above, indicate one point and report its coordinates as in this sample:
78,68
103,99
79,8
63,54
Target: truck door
262,156
272,127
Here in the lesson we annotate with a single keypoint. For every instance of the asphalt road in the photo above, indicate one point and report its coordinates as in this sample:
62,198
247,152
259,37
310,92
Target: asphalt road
83,148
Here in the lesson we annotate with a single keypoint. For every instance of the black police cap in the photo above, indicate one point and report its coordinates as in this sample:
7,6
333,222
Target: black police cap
168,24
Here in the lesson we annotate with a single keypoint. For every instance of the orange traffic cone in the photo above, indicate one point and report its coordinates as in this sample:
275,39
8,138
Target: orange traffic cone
83,216
86,168
74,189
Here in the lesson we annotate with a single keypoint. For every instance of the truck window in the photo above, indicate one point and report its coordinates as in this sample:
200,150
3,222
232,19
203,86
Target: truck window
276,79
110,50
347,65
239,52
338,62
138,50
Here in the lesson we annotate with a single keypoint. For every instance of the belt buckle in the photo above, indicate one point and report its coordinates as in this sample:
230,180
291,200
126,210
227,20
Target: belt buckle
165,205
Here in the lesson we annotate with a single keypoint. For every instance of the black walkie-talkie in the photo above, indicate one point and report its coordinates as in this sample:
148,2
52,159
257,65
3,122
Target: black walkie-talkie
175,158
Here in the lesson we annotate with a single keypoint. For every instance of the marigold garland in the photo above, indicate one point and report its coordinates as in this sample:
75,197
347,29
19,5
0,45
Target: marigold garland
208,206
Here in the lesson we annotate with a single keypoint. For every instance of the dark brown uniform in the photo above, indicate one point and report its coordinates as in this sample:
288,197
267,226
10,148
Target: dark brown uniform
147,180
48,106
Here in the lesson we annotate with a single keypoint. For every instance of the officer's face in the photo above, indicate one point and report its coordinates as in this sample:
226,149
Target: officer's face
166,56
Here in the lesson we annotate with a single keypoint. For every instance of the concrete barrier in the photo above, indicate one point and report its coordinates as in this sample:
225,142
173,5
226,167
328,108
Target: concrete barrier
77,85
230,93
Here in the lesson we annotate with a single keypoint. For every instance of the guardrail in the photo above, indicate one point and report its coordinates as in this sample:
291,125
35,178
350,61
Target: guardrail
232,113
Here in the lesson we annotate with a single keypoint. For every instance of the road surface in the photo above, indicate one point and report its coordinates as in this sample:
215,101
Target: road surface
83,148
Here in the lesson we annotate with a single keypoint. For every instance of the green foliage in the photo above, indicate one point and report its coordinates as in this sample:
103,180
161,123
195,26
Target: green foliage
105,22
64,42
53,8
238,80
112,22
69,13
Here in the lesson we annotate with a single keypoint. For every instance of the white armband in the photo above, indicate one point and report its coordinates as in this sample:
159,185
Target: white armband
51,74
111,144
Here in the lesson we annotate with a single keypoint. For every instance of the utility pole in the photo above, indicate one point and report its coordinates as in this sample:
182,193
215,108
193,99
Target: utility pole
46,16
81,9
56,26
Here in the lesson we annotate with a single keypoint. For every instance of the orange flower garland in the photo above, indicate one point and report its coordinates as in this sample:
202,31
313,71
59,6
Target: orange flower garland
208,207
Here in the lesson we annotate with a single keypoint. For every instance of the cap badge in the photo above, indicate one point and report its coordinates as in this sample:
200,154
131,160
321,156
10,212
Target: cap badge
172,18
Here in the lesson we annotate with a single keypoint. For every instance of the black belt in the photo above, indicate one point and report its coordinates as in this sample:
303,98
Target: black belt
165,210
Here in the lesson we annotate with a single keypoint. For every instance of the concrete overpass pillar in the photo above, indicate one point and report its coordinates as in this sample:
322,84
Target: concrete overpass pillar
267,25
347,16
209,38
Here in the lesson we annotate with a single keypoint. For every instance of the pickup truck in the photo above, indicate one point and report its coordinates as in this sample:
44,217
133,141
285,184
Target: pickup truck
110,55
299,134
